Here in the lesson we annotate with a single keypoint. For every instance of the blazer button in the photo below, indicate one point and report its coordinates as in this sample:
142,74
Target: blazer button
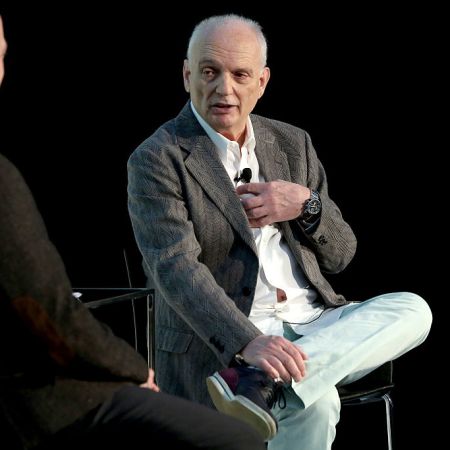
246,291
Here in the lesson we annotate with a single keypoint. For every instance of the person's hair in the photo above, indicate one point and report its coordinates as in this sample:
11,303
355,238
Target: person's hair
218,21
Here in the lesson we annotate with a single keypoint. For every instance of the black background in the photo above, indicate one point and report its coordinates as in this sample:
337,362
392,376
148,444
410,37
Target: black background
84,87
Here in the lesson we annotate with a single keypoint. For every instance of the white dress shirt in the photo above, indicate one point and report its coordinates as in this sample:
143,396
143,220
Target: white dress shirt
278,268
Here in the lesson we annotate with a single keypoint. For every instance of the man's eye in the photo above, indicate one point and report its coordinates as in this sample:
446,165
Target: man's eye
208,72
240,75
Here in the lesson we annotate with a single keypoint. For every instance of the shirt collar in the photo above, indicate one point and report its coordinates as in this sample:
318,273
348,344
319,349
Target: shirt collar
222,143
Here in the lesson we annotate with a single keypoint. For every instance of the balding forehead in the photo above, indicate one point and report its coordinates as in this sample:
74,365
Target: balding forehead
231,30
235,39
235,30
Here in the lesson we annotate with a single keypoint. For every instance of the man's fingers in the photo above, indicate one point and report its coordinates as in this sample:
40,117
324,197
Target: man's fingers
259,223
296,362
256,213
250,188
252,202
277,356
283,367
303,354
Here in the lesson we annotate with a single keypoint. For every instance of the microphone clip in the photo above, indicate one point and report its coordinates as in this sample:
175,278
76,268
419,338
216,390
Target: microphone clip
246,175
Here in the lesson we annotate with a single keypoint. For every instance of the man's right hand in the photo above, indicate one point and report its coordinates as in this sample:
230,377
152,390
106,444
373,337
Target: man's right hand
277,356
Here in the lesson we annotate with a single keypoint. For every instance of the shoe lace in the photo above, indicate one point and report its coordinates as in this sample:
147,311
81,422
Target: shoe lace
276,395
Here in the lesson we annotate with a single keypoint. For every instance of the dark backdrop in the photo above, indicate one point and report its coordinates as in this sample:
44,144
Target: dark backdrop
83,88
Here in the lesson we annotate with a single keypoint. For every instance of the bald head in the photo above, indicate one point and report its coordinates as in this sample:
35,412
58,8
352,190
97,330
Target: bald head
214,27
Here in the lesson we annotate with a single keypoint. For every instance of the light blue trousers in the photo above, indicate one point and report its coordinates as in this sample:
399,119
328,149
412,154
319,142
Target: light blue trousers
367,335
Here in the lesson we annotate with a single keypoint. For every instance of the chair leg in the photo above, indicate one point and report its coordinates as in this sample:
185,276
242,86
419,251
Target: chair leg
389,405
151,331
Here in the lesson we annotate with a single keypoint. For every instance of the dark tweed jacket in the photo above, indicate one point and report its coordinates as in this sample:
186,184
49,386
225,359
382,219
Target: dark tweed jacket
199,251
56,361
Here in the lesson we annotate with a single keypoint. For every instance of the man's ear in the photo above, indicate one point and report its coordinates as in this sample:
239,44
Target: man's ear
186,74
263,80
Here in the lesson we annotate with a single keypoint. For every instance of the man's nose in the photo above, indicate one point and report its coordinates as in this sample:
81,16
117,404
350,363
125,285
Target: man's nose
224,85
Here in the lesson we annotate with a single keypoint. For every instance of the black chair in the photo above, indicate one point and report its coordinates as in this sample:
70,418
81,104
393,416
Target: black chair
129,311
374,387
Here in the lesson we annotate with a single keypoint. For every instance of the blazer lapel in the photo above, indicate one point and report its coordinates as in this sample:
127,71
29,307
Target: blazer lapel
272,161
205,166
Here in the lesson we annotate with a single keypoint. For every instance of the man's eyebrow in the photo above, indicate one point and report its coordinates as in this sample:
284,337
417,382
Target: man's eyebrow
211,62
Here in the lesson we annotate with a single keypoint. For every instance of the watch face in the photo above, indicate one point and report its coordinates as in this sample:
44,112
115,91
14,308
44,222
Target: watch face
313,206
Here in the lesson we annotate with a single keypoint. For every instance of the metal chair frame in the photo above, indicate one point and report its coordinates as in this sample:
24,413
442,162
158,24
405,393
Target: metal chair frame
109,296
374,387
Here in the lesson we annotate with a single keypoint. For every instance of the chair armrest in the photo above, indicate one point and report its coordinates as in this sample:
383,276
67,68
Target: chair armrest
95,297
102,300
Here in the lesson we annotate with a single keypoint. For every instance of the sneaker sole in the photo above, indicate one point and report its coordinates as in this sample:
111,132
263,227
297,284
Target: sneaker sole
240,407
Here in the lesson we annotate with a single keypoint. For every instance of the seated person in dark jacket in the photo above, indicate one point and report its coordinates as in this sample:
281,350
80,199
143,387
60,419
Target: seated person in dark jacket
65,379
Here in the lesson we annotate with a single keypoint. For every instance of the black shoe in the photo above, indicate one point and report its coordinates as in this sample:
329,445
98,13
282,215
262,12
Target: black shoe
247,394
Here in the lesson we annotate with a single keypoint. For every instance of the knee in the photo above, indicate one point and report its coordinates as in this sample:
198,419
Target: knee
416,312
419,309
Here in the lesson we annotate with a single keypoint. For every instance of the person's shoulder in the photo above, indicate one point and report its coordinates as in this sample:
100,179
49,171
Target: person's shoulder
277,126
173,138
13,187
8,171
6,164
278,130
161,149
162,137
165,134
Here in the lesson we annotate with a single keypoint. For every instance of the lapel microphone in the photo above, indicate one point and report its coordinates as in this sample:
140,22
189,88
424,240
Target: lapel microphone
246,175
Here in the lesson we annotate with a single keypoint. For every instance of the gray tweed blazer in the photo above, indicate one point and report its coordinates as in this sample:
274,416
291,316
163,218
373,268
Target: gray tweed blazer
198,250
56,361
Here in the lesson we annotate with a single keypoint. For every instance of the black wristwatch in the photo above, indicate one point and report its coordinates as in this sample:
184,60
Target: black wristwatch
312,209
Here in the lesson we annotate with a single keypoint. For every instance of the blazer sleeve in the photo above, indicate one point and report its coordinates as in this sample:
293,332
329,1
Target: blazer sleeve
332,240
38,295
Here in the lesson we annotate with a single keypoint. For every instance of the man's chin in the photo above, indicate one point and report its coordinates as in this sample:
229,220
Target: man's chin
223,122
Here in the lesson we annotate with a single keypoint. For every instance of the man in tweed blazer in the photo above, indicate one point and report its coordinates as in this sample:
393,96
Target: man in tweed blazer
240,275
65,380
